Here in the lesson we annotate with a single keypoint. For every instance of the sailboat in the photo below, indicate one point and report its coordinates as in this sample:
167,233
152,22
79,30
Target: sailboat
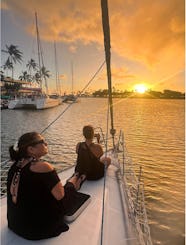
115,213
58,85
35,100
71,98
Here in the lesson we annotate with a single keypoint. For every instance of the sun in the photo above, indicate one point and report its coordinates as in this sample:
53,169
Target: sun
140,88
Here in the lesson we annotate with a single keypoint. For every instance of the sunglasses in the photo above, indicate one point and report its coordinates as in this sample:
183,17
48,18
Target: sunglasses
39,142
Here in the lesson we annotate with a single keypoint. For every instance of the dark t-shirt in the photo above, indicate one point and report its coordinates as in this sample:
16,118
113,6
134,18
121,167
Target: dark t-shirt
37,214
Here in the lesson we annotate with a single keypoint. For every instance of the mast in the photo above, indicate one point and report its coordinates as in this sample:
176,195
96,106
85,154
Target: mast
38,49
72,77
58,88
106,31
40,55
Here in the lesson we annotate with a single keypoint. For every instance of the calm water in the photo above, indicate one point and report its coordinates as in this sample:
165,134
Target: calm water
154,134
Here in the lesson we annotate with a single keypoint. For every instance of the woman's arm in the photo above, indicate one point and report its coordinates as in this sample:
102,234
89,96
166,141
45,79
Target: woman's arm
58,191
77,147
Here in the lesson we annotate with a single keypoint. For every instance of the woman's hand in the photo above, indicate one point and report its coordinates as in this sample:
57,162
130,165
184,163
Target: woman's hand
106,161
98,137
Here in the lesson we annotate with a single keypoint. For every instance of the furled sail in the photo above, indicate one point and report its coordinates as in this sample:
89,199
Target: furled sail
106,31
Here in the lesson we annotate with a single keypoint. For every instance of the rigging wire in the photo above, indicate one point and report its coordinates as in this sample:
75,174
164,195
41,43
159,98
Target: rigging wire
101,66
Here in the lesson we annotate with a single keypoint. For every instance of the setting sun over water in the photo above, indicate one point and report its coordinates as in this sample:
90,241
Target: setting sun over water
140,88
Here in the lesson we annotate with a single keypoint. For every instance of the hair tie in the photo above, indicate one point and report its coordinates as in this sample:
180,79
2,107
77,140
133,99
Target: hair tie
15,147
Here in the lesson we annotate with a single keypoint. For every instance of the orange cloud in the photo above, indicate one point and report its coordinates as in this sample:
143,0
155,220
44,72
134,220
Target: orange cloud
147,30
149,33
141,30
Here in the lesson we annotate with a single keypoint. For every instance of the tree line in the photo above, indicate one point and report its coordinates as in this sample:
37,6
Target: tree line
166,94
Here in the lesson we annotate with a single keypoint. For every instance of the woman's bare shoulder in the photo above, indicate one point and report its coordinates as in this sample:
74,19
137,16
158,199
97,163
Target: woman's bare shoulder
77,146
97,146
97,150
41,167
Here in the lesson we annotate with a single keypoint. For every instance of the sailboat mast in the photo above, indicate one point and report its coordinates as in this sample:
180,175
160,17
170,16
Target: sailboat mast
106,31
40,56
72,77
58,88
38,49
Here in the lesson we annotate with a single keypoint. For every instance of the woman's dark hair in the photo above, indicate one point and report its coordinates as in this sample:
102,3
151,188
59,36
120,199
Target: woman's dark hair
24,141
88,132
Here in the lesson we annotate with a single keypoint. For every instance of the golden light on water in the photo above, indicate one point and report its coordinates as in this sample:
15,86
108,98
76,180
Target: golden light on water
140,88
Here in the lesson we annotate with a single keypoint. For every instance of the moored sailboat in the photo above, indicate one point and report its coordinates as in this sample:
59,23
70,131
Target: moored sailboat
71,98
38,102
41,100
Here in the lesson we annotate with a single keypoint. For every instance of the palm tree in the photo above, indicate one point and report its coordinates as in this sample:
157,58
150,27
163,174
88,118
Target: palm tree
45,74
32,65
25,76
2,75
15,55
8,65
37,77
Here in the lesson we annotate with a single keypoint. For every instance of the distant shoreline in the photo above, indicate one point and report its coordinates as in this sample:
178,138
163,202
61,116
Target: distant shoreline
114,97
166,94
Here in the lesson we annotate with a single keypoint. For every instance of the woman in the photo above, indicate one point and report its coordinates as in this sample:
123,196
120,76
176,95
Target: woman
90,161
36,199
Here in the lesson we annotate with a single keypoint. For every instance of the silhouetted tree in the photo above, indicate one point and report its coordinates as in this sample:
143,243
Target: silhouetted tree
15,55
32,66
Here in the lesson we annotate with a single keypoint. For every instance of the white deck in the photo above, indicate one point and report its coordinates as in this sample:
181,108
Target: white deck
86,229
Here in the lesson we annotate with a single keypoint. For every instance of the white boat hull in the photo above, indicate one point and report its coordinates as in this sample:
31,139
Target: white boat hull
45,103
35,103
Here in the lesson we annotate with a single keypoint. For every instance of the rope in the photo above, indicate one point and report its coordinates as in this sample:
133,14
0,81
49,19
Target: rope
101,66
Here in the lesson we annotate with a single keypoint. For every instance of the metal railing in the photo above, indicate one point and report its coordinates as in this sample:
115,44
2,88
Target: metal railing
132,181
3,173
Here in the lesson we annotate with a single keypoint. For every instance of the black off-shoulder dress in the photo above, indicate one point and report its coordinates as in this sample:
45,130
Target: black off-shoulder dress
37,214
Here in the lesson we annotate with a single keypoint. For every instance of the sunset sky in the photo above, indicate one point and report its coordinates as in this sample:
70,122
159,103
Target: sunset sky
147,41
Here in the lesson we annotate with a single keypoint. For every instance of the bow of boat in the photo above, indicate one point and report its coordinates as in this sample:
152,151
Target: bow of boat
104,221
